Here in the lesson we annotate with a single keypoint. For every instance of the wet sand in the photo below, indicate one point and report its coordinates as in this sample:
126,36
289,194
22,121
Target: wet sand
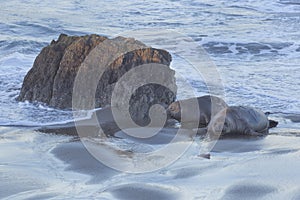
61,167
240,167
80,160
260,168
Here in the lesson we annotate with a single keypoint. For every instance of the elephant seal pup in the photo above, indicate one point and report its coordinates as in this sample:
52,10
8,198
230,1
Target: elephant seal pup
195,112
239,120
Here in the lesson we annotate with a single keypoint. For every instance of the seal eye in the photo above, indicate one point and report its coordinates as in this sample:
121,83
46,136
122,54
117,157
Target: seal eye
171,108
225,127
217,128
225,124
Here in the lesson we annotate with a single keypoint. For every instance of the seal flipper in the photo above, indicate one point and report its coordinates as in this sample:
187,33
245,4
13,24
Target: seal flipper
251,132
254,133
267,113
201,131
204,155
272,123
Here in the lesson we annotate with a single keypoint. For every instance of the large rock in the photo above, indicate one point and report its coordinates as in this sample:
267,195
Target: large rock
60,60
52,76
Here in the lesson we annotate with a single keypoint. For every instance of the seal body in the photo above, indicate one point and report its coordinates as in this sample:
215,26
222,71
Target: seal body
196,112
238,120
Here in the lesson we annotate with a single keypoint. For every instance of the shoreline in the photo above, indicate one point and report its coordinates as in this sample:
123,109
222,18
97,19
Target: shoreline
237,167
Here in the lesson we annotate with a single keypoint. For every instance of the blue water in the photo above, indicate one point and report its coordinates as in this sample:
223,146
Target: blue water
254,44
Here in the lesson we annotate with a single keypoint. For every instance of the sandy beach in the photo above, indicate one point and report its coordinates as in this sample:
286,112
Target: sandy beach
257,168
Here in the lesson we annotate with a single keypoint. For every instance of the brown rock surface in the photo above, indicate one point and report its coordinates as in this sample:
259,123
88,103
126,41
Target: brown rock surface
61,58
52,76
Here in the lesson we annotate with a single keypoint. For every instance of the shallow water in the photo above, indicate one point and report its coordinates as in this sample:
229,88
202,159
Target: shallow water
255,46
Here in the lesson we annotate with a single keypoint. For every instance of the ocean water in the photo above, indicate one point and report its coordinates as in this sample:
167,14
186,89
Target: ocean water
253,45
